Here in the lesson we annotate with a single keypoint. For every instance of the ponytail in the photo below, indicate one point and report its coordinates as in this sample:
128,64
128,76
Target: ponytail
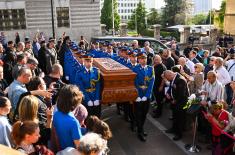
21,129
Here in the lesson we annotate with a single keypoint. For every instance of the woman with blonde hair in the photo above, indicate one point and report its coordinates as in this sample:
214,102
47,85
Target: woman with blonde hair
28,111
28,108
197,79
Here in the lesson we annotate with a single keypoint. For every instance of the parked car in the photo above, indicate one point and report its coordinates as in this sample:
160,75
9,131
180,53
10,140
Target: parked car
155,44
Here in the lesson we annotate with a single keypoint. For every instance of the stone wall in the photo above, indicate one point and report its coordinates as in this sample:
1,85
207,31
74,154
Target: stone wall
84,19
229,18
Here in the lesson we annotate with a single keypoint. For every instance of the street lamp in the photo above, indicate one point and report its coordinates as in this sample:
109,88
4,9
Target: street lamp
135,22
113,18
52,19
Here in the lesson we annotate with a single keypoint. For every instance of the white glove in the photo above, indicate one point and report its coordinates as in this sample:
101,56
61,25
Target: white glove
67,78
144,98
96,102
90,103
138,99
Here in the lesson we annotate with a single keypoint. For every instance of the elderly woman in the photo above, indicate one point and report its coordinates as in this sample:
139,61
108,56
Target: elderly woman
90,144
218,119
197,79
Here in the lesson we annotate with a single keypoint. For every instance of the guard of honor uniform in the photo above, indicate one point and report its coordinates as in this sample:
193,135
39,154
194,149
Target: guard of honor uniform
89,83
144,83
88,80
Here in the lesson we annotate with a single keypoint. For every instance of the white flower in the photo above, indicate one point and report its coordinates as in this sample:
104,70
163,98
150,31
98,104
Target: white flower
192,97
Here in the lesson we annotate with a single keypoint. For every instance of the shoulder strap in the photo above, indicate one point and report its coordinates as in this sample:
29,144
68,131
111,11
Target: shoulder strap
231,67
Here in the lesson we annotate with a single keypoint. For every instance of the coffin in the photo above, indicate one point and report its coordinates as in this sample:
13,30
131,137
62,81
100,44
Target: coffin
117,81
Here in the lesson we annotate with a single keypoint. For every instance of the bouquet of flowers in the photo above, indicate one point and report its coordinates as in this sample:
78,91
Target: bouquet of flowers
193,104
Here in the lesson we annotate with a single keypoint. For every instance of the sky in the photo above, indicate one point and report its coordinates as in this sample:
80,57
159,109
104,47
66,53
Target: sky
215,4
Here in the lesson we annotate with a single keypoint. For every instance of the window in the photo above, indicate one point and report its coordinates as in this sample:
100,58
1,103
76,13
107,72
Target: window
62,17
12,19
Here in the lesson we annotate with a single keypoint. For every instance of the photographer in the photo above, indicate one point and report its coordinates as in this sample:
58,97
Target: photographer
212,90
54,78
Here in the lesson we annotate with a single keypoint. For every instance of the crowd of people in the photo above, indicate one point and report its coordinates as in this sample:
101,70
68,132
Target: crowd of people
44,84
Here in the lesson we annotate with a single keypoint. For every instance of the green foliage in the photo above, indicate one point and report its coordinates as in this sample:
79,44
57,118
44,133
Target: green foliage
138,17
175,12
153,17
220,18
106,15
199,19
212,17
147,33
174,34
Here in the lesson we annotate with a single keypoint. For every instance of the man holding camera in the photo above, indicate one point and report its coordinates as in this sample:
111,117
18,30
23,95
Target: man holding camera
212,90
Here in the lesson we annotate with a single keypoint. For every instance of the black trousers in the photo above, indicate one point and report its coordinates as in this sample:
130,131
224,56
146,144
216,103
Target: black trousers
140,111
179,119
94,110
159,95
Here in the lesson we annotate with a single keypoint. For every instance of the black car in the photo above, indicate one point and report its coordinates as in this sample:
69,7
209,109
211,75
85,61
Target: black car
154,44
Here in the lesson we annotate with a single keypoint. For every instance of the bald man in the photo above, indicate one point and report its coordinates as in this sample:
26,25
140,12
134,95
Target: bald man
182,61
179,93
158,88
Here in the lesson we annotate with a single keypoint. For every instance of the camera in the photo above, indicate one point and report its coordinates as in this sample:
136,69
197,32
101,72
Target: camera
56,86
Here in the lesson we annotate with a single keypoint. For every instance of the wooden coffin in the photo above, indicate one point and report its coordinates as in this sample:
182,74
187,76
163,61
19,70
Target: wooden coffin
117,81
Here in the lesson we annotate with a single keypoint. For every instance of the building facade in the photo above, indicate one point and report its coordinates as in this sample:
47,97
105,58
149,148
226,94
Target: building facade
229,18
125,8
74,17
201,6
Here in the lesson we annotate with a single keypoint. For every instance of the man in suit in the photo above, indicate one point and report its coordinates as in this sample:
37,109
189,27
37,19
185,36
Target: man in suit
179,94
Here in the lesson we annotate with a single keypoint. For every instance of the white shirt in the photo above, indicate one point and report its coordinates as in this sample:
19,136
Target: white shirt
231,72
190,65
223,75
215,91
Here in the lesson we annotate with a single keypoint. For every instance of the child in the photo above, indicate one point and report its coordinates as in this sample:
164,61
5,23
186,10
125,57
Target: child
5,127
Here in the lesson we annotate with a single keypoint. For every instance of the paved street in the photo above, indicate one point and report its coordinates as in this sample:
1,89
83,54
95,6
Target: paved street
125,142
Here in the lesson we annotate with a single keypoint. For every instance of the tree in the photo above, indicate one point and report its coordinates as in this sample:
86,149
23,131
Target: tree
175,12
220,17
107,17
138,17
153,17
210,17
199,19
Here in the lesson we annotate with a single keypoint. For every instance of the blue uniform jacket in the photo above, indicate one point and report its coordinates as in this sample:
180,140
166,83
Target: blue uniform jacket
122,61
130,66
144,80
68,61
74,69
90,84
